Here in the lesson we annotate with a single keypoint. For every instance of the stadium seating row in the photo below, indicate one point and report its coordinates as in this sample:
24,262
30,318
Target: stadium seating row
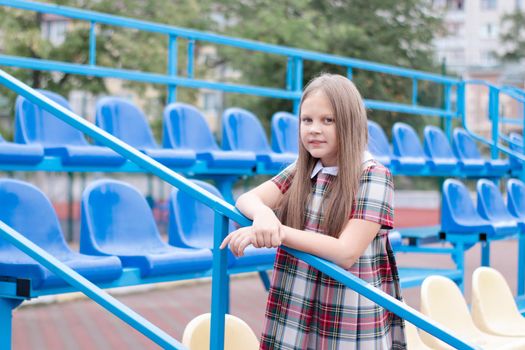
117,231
244,142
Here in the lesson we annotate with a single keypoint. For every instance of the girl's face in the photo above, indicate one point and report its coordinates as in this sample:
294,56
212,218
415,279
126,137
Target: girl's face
317,128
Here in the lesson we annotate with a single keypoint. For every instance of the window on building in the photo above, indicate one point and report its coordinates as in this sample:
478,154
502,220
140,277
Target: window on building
489,31
489,4
54,31
455,28
488,58
458,5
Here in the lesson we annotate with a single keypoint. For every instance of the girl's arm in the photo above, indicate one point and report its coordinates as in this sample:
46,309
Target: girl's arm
257,204
343,251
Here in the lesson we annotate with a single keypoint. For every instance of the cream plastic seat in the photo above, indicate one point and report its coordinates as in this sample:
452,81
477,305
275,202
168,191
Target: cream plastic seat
414,342
442,301
237,336
493,308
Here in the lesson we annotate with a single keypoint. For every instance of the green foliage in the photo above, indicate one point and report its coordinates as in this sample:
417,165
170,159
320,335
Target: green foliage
513,36
386,31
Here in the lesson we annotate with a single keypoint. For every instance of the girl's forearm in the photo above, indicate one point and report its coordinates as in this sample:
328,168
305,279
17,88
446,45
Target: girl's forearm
324,246
250,204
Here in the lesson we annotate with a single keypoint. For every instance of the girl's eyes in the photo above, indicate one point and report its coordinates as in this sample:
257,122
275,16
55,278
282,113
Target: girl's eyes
326,120
306,120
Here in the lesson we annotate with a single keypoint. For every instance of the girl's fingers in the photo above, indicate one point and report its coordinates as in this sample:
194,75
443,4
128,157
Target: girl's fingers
227,240
245,242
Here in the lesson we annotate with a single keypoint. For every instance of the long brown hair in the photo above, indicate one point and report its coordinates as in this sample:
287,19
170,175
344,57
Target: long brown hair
352,135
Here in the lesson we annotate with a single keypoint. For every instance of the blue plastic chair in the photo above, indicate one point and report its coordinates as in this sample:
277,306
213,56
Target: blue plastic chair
516,201
438,150
492,207
458,213
14,153
285,133
470,158
191,226
185,128
378,144
27,210
35,126
117,220
409,153
126,121
516,145
242,131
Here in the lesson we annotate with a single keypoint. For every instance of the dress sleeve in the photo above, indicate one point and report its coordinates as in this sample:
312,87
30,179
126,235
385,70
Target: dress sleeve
375,197
283,180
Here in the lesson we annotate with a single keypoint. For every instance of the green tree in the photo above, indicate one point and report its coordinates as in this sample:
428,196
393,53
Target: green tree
512,36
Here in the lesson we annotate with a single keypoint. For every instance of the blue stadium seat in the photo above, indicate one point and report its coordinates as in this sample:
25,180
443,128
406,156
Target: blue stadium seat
126,121
285,133
116,220
242,131
378,144
191,226
395,239
516,144
458,213
470,159
185,128
14,153
407,149
27,210
516,201
492,207
35,126
438,150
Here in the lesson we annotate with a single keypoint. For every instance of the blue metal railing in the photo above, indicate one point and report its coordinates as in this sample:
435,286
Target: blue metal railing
223,211
294,59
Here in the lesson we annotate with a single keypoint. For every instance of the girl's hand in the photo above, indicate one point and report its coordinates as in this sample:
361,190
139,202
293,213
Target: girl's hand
267,229
239,240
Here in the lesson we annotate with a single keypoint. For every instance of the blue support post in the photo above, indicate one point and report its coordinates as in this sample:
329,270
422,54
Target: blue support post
349,73
521,263
219,284
289,73
6,321
265,280
485,253
92,44
414,92
191,53
494,118
172,67
448,119
298,82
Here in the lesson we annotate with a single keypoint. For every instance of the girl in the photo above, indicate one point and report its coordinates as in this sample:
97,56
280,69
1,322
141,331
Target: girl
335,202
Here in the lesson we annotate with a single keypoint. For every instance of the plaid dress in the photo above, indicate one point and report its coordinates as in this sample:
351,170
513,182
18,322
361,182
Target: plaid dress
307,309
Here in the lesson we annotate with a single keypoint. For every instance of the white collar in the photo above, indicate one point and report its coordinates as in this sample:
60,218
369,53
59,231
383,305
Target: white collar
333,170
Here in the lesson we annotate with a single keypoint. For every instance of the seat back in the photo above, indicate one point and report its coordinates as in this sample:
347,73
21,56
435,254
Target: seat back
35,125
237,334
115,217
185,127
124,120
441,298
516,198
457,206
405,141
464,145
191,222
27,210
242,131
516,144
285,133
436,144
377,141
490,202
492,300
